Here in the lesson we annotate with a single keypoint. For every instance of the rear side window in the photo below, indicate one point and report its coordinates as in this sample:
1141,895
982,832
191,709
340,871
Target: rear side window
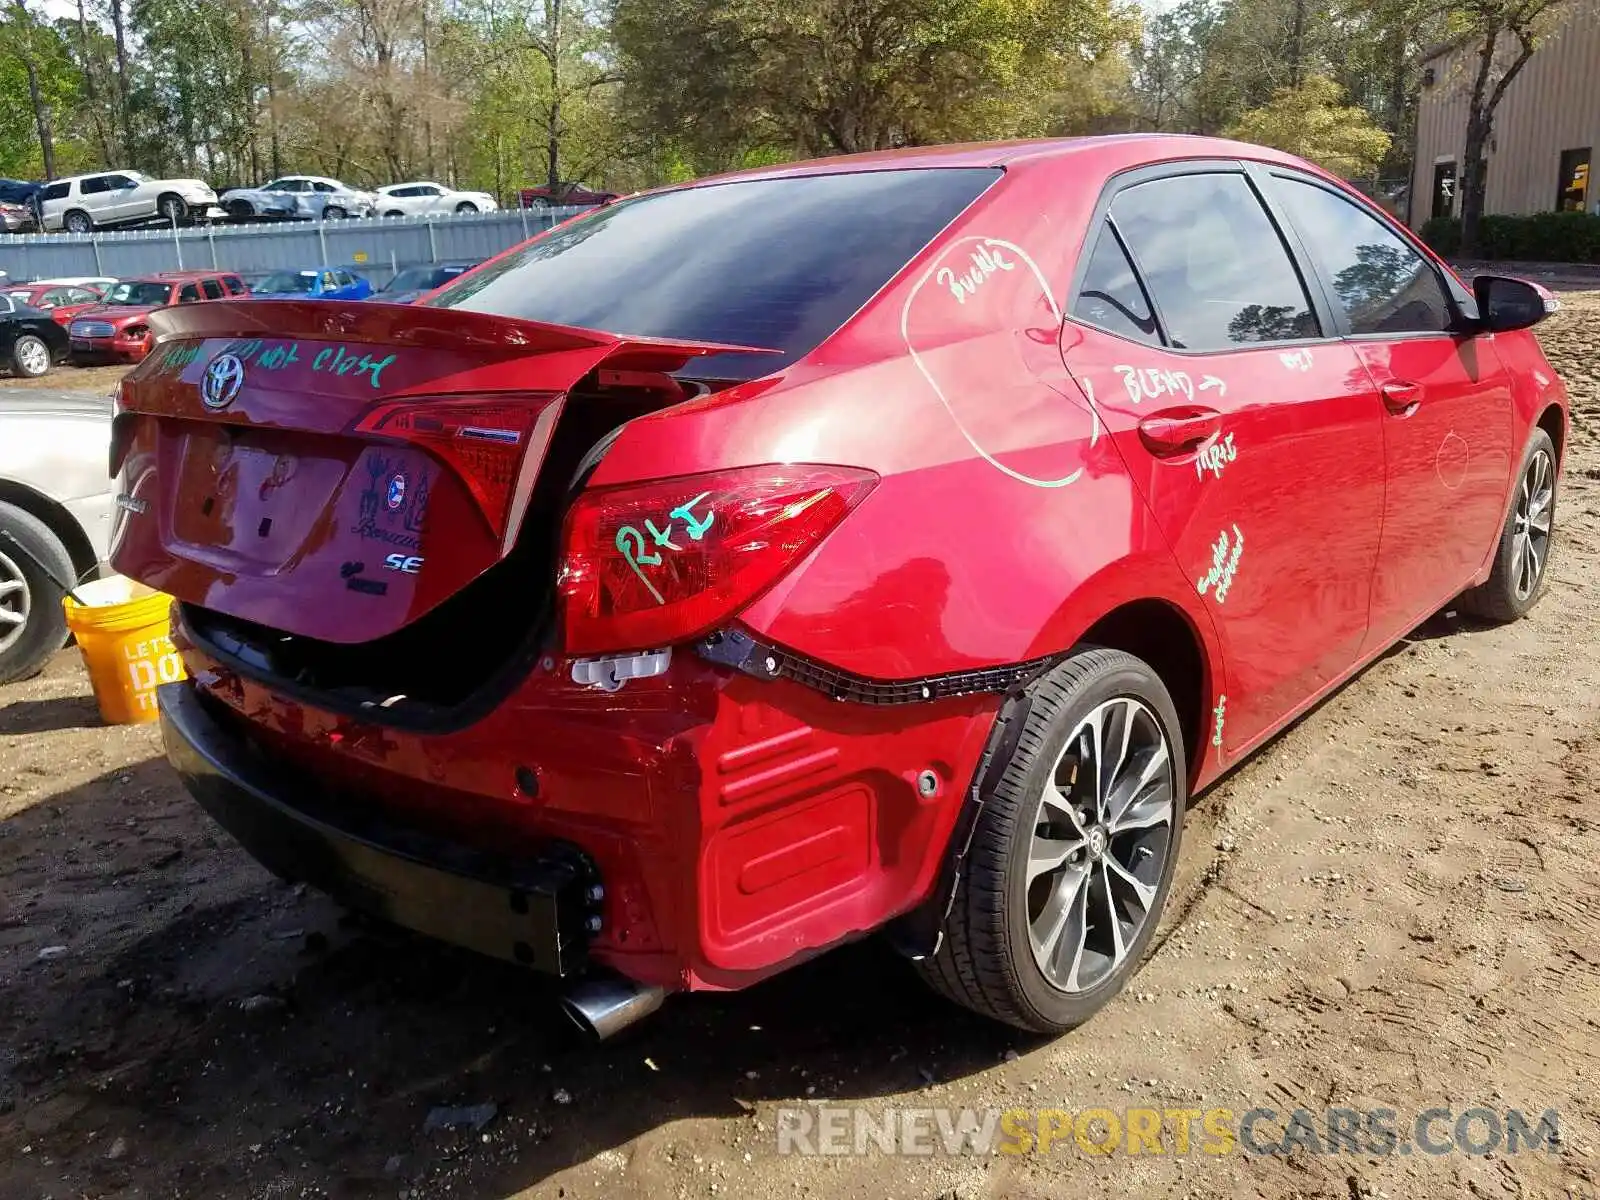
1384,285
776,263
56,191
89,187
211,288
1215,265
1110,297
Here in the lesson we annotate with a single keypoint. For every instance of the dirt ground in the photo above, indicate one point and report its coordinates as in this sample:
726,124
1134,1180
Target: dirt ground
66,377
1397,904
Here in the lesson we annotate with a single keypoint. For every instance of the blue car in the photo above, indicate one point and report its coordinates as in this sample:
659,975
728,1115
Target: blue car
320,283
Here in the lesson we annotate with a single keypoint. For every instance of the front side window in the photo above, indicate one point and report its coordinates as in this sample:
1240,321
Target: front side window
211,288
320,186
187,293
1215,266
775,263
94,185
234,284
1111,298
1383,284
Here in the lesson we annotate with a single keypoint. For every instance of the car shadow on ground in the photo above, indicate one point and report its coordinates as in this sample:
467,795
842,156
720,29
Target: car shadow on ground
44,716
232,1030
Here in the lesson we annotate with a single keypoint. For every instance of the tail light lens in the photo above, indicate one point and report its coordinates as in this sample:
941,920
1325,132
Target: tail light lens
489,442
656,564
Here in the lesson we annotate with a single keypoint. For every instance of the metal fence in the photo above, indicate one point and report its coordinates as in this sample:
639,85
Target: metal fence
374,247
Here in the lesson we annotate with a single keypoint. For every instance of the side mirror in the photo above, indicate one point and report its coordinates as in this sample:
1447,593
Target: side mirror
1505,304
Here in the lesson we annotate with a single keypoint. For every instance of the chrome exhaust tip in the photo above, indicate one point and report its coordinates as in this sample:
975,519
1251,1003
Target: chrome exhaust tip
605,1005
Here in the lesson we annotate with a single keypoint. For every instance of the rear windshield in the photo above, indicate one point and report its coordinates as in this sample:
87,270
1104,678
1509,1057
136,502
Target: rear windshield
776,263
286,281
138,291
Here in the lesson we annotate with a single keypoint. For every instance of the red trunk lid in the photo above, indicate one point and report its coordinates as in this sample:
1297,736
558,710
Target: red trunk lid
336,471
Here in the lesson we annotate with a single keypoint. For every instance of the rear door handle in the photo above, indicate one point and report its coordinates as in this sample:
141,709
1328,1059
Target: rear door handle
1401,395
1167,434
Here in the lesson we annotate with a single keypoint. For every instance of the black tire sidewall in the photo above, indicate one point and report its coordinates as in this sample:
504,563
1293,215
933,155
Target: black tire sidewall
16,356
1049,1005
46,630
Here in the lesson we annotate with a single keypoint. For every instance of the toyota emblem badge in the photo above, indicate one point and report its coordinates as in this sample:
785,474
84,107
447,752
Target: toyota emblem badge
222,381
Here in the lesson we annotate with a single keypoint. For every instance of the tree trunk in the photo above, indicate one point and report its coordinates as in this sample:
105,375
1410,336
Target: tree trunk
552,32
1297,43
124,116
90,89
1481,107
41,110
1473,181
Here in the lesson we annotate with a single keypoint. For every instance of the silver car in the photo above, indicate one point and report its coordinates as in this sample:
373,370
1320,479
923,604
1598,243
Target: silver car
302,197
55,516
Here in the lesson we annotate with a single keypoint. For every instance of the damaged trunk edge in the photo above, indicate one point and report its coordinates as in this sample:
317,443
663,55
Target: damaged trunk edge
333,493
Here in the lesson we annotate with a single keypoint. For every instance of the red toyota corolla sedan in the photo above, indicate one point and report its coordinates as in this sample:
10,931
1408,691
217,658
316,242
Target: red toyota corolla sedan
887,543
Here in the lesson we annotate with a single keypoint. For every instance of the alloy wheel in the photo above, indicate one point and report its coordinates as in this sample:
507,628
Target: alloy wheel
15,601
33,356
1531,524
1100,841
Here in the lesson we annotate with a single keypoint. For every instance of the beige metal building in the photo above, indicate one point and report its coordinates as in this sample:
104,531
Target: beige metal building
1546,129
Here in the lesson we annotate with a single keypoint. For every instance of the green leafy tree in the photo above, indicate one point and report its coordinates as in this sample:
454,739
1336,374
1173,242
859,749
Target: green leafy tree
838,76
1313,121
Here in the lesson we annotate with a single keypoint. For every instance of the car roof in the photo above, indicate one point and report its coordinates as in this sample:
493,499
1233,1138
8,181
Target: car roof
184,276
1116,151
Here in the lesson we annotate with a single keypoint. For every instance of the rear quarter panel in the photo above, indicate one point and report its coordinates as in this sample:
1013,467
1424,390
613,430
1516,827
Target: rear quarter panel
1005,522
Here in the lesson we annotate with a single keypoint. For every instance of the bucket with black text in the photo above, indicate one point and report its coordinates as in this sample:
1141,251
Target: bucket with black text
123,631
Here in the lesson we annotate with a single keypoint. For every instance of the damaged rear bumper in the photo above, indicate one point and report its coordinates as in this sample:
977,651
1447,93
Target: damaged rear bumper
536,912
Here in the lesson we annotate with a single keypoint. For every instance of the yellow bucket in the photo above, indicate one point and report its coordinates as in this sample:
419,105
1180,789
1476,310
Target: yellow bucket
123,630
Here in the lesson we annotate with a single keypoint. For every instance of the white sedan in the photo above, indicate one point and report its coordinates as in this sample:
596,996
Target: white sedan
423,196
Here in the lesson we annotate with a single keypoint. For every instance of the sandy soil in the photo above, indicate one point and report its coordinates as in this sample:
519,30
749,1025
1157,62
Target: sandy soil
1397,904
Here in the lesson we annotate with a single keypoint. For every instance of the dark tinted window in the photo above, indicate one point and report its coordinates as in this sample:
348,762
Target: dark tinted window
776,263
91,186
211,288
1111,298
54,191
1215,266
1384,285
188,292
234,284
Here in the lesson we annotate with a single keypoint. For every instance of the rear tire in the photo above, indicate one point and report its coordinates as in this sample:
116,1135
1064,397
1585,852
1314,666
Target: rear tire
30,357
240,208
32,623
77,221
1522,555
1030,939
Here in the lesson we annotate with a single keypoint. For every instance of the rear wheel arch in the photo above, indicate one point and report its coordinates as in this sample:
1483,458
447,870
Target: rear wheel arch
59,521
1554,422
1163,637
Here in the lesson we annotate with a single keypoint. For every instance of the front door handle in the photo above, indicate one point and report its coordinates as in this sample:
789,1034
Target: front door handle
1401,396
1178,431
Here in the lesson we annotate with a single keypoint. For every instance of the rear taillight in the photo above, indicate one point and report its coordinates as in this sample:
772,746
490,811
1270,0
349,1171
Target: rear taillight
485,441
661,563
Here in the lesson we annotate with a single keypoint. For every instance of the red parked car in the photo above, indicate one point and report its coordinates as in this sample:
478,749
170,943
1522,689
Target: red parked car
888,543
118,328
565,194
61,301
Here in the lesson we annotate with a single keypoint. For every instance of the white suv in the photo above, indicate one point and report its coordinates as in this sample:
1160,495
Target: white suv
82,203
